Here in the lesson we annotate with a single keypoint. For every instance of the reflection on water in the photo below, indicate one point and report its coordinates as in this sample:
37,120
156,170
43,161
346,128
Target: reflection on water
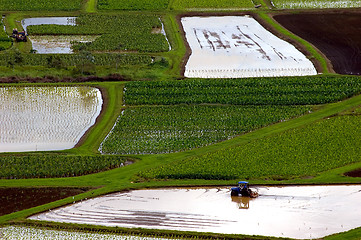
242,202
46,118
48,20
58,44
296,212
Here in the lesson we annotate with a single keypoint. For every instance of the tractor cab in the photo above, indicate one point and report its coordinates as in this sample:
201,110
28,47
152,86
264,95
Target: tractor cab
243,190
20,36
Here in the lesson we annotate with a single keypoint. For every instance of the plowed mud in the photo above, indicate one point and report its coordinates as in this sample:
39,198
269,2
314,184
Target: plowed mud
17,199
336,34
355,173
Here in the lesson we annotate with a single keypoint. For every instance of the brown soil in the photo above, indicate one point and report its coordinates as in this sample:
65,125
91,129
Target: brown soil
17,199
337,34
355,173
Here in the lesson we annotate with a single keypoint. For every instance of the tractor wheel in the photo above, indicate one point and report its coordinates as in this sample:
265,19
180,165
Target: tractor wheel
234,193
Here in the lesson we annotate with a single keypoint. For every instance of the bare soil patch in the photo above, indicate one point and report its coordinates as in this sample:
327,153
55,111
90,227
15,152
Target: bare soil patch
355,173
328,32
17,199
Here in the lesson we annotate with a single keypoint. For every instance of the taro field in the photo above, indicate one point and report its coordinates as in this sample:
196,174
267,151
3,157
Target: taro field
5,41
164,129
122,32
301,152
45,166
132,4
39,5
172,116
207,4
249,91
294,4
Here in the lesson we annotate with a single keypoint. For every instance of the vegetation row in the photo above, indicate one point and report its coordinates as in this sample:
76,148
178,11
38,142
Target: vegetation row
250,91
45,166
164,129
301,152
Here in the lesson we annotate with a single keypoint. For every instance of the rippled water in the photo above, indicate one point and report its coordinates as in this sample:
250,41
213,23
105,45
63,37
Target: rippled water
46,118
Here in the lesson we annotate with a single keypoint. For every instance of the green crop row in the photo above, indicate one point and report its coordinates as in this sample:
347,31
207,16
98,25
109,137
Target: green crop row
5,41
41,166
32,5
176,128
187,4
132,4
176,4
72,59
301,152
250,91
131,32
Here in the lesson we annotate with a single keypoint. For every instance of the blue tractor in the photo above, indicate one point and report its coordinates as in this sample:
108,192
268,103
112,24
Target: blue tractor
243,190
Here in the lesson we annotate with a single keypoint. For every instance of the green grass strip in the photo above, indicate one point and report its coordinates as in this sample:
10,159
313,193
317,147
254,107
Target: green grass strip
91,6
314,53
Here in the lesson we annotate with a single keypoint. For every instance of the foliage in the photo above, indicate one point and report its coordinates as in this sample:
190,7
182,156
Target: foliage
5,41
74,59
250,91
35,5
316,3
118,32
132,4
45,166
186,4
304,151
176,128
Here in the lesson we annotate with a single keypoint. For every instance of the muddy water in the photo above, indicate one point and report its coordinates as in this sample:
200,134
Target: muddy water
296,212
46,118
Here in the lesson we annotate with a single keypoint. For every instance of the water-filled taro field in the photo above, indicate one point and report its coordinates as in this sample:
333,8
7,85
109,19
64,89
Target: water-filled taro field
300,152
117,32
163,129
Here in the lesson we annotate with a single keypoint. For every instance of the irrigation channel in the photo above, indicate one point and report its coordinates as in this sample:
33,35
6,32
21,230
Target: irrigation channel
292,211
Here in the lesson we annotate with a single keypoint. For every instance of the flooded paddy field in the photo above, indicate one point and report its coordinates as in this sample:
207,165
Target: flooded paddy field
238,46
17,232
296,211
328,33
16,199
46,44
46,118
